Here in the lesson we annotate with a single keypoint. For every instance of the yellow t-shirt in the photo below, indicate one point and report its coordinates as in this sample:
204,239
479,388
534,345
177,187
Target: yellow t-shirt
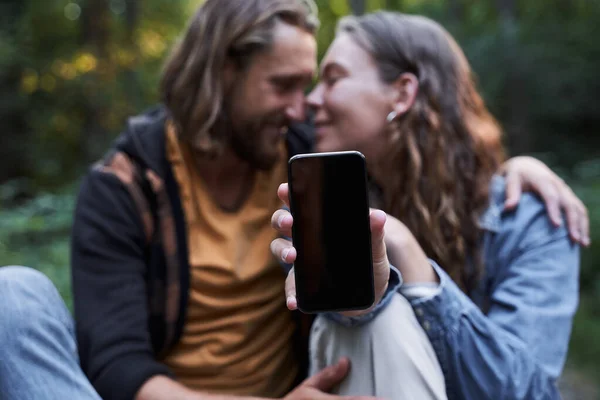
237,337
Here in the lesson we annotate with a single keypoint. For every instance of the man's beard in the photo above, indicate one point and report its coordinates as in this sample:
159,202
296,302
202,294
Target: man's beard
248,140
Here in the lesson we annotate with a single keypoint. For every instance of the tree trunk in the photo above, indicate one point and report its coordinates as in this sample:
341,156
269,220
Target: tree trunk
15,154
357,6
507,10
131,17
95,19
132,80
456,10
395,5
515,109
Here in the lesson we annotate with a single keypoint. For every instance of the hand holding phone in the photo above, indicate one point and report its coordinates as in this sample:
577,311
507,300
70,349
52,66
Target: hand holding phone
341,262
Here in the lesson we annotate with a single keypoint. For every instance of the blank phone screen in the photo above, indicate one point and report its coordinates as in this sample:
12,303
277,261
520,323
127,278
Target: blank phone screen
329,203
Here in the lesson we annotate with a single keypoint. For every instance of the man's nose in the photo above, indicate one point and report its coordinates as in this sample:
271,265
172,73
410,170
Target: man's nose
295,110
315,98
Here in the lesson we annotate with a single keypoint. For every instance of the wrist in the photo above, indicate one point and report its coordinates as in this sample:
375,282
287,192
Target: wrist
412,262
424,274
380,293
378,296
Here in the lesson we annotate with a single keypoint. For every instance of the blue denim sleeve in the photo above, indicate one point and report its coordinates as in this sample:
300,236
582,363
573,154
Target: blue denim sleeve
518,348
394,284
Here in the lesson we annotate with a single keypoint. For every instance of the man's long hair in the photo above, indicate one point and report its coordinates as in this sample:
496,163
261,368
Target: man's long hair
192,86
444,150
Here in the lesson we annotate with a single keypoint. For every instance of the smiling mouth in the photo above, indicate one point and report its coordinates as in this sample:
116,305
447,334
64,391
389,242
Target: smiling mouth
320,127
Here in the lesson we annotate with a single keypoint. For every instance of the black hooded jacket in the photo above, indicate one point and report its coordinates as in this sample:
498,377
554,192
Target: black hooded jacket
129,259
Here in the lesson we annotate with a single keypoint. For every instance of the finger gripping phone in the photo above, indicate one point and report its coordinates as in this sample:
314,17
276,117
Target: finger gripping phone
331,232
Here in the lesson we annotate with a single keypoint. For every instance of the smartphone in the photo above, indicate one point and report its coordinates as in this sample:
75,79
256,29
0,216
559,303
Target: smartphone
331,231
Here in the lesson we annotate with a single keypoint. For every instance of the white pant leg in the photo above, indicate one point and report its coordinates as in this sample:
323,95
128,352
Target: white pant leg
391,356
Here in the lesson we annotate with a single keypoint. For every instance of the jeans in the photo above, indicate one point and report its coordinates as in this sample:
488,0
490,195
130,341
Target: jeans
38,351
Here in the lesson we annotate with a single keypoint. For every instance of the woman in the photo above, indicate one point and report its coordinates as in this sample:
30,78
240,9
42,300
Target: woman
495,292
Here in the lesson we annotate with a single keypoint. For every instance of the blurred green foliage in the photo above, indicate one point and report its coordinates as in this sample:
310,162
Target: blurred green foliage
36,234
71,71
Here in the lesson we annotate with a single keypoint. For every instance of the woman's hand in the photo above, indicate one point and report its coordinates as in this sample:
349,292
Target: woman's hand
283,249
405,253
529,174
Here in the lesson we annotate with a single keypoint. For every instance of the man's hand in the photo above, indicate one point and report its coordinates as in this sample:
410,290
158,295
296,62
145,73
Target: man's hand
283,249
315,387
529,174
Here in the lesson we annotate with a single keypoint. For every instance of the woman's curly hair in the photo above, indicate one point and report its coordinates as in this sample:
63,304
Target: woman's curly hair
444,150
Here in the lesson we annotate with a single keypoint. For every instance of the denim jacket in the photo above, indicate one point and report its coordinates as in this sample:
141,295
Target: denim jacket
509,340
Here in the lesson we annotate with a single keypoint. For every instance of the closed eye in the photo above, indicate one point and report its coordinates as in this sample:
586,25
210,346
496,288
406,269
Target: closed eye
331,80
332,73
286,84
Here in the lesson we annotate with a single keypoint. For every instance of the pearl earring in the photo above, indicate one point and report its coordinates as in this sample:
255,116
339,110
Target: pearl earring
391,116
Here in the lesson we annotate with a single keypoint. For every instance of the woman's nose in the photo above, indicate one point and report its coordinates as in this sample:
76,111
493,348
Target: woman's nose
315,98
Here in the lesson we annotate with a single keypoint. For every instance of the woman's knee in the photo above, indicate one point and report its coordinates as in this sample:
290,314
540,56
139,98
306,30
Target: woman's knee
397,316
392,349
330,340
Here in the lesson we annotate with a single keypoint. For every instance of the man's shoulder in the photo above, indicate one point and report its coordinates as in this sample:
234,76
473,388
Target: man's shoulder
142,139
148,118
136,151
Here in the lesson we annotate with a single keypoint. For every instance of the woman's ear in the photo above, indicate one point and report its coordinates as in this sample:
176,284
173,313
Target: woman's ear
406,88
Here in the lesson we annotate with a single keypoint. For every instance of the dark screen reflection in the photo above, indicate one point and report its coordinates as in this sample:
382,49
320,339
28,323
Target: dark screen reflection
331,232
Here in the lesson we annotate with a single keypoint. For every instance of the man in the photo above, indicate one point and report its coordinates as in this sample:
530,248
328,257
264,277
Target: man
176,294
202,272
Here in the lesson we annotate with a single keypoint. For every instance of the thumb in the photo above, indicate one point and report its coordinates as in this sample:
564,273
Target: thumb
377,220
330,376
513,190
